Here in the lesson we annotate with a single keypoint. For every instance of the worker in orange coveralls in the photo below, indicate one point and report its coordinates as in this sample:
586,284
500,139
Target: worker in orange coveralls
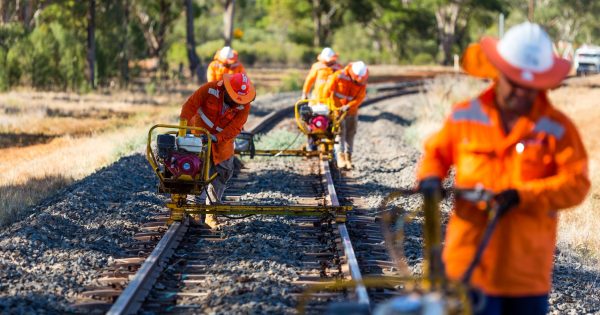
346,90
222,108
319,73
225,62
511,141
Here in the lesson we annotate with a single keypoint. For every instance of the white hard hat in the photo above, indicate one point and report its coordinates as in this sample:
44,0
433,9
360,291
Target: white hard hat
359,68
226,53
525,56
327,55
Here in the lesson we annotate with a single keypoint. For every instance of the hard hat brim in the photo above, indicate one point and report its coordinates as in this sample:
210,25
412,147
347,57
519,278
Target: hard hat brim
548,79
239,99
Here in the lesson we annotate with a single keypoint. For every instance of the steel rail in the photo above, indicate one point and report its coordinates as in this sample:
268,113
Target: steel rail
131,299
135,293
361,290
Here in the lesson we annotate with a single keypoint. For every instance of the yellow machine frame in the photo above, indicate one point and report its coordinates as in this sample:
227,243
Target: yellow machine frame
433,278
179,189
323,140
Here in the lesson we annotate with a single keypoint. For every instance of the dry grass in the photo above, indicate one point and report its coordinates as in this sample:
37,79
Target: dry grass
578,229
435,104
89,132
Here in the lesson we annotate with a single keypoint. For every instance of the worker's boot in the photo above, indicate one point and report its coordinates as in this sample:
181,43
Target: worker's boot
211,220
348,158
341,160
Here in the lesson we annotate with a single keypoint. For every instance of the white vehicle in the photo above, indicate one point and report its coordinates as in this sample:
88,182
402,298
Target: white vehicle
587,60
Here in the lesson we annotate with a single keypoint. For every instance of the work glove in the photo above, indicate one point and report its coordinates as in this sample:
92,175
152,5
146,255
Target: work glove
204,138
430,186
344,108
506,200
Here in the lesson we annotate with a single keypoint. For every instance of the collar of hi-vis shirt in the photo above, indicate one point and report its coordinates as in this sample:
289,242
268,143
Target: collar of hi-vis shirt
524,125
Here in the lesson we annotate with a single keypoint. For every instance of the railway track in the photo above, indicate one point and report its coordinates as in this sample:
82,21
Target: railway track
327,250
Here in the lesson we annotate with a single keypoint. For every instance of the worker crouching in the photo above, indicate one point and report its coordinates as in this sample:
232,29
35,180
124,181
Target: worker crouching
222,108
512,141
226,61
346,89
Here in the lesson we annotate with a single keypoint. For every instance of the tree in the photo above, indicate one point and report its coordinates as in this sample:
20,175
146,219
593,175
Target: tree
228,21
91,43
195,67
156,18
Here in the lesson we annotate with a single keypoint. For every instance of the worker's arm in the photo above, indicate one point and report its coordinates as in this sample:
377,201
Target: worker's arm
190,107
240,68
438,155
235,126
359,98
309,81
211,73
569,186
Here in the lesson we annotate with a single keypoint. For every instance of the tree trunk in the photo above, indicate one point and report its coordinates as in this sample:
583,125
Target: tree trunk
191,42
125,44
91,43
446,17
316,13
228,21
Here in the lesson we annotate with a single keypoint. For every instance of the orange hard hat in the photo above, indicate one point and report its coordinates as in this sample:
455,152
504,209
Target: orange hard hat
239,88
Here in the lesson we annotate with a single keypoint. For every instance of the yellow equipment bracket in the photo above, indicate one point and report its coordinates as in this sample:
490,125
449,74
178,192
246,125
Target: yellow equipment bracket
202,179
282,153
228,209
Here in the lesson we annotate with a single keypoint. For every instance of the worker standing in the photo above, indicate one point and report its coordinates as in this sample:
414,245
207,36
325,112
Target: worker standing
319,73
225,62
511,141
346,89
222,108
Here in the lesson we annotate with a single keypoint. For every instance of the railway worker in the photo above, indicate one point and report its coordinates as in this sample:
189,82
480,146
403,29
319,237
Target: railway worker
222,108
225,62
319,73
346,90
513,142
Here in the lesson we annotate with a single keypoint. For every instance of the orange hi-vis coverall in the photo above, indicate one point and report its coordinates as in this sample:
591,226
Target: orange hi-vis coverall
543,158
216,70
317,76
343,91
205,108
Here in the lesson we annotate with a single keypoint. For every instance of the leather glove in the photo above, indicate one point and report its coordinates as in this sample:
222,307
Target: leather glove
430,186
344,108
507,200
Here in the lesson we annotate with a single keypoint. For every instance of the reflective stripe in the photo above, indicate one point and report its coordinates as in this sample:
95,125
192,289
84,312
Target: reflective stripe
240,107
550,127
474,113
205,119
343,76
219,129
340,95
214,92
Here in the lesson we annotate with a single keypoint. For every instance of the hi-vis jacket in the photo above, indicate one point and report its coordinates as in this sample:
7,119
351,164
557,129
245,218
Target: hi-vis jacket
205,108
217,69
543,158
341,90
319,72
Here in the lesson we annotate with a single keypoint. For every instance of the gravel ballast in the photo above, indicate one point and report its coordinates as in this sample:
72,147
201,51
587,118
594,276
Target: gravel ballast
50,256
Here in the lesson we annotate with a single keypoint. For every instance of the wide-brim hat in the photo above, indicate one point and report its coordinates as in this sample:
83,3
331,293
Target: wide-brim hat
524,55
239,88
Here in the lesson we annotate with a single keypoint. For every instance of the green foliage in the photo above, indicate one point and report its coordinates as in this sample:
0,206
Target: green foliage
293,81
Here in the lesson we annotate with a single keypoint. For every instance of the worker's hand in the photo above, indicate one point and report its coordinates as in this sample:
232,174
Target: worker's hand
213,138
204,138
430,187
304,96
345,108
507,200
